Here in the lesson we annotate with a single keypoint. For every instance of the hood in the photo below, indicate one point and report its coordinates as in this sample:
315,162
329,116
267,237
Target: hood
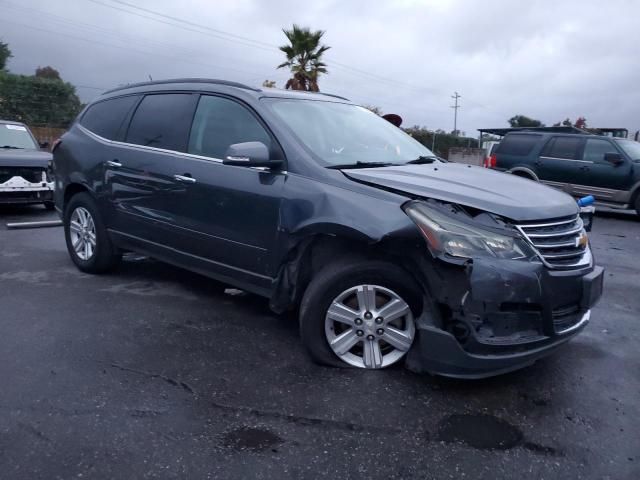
503,194
24,158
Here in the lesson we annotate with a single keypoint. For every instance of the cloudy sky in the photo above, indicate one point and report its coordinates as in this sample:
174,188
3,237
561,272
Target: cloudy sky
545,59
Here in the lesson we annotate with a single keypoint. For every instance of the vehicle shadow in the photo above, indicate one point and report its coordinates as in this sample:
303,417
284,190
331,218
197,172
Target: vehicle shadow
18,213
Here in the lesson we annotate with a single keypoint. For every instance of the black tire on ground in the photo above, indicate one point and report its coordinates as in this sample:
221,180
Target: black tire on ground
106,256
637,204
336,278
49,205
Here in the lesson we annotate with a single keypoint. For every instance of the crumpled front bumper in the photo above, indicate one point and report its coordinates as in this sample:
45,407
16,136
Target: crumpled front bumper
501,315
18,190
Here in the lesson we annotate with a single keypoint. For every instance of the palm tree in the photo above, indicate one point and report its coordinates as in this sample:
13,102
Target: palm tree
304,58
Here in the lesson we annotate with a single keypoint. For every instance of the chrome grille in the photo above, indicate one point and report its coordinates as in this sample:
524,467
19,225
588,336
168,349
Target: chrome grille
558,243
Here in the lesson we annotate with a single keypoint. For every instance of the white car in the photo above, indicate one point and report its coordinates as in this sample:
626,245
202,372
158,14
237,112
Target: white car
24,167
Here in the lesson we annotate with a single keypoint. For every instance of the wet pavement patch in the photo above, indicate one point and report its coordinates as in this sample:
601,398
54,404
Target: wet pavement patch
250,438
479,431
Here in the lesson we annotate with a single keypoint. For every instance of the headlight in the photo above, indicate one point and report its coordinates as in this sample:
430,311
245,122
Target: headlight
446,234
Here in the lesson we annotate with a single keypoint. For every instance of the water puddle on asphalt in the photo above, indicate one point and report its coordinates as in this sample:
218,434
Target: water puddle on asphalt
250,438
480,431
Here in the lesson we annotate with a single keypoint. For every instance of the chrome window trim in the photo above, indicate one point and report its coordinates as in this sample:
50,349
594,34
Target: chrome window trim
565,159
193,156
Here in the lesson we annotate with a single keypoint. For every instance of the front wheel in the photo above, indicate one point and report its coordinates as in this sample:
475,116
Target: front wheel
360,314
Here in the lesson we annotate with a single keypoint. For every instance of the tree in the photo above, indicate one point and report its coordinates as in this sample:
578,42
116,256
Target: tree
442,142
581,122
304,58
48,72
524,121
37,101
269,84
374,109
5,55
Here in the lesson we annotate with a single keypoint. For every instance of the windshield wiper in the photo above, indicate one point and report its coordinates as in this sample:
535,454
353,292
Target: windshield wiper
11,147
422,160
363,165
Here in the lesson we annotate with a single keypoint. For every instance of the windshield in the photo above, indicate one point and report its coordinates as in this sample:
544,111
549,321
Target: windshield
631,148
15,136
344,134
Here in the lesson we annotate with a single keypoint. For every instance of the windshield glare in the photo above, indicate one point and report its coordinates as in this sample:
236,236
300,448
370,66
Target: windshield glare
342,134
631,148
15,136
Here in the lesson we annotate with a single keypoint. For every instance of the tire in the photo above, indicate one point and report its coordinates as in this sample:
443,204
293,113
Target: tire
103,256
637,204
318,328
50,206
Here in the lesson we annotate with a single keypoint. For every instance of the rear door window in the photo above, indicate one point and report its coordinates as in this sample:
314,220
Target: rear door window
106,118
567,148
595,150
518,144
163,121
220,122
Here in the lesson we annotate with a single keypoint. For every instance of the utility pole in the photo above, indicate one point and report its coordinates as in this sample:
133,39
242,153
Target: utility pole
455,107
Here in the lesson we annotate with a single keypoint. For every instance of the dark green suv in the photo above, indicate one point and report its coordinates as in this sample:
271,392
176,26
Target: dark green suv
580,164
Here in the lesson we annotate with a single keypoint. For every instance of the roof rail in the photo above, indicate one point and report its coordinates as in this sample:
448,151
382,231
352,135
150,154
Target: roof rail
501,132
333,95
184,80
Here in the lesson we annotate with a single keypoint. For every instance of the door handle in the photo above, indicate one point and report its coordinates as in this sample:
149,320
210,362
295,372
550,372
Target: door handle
584,168
114,163
185,178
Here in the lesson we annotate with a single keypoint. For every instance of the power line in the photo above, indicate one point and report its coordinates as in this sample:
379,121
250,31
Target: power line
129,49
84,39
243,40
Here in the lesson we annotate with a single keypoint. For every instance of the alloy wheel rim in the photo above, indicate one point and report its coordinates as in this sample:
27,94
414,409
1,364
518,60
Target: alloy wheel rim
369,326
82,231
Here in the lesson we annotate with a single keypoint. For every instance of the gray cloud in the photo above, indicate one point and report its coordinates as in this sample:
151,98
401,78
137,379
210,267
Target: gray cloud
547,59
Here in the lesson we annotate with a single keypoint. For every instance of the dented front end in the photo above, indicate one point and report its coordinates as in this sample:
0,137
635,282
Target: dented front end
25,185
486,315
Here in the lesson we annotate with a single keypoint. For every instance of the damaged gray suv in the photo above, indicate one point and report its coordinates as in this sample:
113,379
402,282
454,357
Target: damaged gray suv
388,254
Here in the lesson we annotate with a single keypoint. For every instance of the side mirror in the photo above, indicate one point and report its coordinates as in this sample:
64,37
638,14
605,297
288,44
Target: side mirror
249,154
44,145
614,158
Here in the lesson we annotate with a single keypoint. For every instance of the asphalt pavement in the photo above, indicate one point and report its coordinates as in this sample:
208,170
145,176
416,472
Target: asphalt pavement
155,372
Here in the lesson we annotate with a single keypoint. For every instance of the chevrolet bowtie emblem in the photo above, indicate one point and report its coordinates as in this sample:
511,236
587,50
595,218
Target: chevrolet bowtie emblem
582,240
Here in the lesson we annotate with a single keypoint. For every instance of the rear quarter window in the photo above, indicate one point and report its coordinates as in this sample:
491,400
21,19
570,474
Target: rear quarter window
106,118
517,144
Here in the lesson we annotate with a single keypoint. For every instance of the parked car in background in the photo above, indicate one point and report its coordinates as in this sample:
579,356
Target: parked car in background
580,164
326,208
24,167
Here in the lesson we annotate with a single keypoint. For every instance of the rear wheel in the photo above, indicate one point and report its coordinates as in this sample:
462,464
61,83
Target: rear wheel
87,239
359,314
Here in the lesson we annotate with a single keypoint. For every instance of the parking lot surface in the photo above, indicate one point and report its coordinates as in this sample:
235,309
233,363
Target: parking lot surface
155,372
